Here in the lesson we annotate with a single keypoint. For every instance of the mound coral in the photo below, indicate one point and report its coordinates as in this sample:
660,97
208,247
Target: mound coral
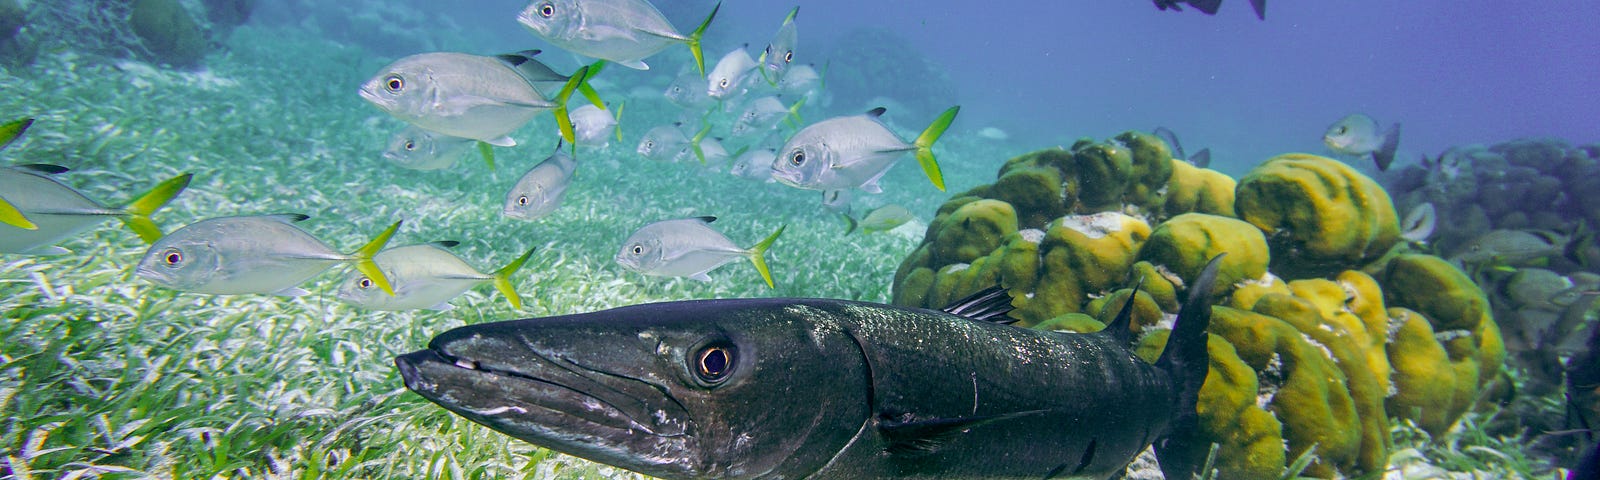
1307,349
169,32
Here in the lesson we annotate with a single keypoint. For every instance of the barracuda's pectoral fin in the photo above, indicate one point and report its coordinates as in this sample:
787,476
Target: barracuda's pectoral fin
923,437
988,305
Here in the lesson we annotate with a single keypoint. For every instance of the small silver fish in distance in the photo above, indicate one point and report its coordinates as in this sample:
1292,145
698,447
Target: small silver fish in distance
539,192
55,211
664,143
1419,223
880,219
417,148
592,126
854,151
686,92
457,94
755,164
426,276
251,254
688,247
762,114
727,79
801,81
1357,134
779,54
621,31
1510,247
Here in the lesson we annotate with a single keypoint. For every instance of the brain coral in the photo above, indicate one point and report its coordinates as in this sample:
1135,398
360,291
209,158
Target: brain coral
1306,348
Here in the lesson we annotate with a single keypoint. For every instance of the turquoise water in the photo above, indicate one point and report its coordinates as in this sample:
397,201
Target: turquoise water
103,374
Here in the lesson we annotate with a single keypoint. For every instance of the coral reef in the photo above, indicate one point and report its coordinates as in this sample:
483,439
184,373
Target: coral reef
16,47
1323,333
169,33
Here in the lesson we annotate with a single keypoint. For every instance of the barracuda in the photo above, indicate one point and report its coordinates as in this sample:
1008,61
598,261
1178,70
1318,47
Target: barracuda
826,389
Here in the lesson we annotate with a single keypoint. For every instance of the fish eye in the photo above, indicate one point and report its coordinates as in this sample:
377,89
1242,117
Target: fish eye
394,83
797,158
1343,129
410,145
788,56
723,83
365,283
172,257
522,200
713,363
547,10
638,249
649,144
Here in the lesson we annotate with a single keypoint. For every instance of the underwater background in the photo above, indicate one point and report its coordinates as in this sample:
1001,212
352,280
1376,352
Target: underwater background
106,375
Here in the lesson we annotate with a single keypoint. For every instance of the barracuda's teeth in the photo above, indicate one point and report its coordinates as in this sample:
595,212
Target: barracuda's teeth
467,364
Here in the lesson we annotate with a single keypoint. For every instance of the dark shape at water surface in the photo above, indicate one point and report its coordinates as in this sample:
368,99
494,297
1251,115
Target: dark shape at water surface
817,388
1209,7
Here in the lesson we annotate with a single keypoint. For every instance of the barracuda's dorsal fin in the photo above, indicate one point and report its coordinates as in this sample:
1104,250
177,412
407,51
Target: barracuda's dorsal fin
922,437
1118,328
988,305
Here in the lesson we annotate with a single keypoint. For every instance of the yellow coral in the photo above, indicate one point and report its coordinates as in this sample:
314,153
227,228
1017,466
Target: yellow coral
1321,215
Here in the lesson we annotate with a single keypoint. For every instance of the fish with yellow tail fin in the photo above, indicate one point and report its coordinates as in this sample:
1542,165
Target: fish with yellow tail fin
426,276
264,254
689,247
9,214
468,96
824,389
620,31
779,54
854,152
57,211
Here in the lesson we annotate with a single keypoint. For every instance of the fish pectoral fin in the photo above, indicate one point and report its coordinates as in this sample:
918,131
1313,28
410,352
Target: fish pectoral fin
442,307
633,64
923,437
292,292
871,186
701,277
49,250
504,141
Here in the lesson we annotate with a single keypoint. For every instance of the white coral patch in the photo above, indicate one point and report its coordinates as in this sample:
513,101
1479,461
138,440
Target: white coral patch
1097,225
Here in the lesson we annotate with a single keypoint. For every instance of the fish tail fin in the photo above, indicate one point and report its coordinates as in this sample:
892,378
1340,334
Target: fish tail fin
925,141
1186,360
794,112
502,279
694,40
12,130
138,212
364,263
618,128
694,143
9,215
1384,155
1261,8
588,90
850,223
563,119
487,150
758,255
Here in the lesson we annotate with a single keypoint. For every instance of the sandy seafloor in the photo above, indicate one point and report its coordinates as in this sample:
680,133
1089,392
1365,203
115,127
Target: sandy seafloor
103,374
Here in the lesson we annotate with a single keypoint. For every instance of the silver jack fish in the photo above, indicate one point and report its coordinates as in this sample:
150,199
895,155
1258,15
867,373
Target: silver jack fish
417,148
727,80
762,114
689,247
779,54
621,31
426,276
41,211
467,96
251,254
881,219
854,151
9,215
539,192
828,389
685,92
1357,135
664,143
594,126
755,164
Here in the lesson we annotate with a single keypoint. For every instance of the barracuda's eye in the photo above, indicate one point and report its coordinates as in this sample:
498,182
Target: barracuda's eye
394,83
788,56
797,158
172,257
547,10
365,283
714,362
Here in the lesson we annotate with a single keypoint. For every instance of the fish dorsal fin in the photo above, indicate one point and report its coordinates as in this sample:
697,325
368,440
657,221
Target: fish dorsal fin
876,112
445,243
706,219
287,217
45,168
988,305
1118,328
923,437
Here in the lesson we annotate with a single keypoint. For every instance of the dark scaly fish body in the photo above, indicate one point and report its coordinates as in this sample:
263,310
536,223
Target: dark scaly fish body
824,389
